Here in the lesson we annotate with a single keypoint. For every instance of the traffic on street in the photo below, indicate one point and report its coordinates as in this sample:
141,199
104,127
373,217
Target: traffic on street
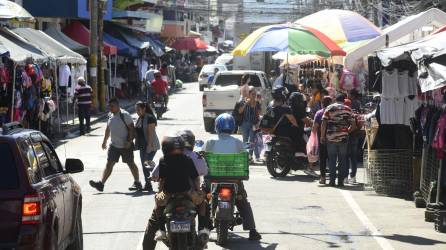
191,125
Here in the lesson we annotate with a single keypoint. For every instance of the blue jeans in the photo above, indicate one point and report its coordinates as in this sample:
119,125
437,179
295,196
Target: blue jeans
352,155
146,157
337,151
249,137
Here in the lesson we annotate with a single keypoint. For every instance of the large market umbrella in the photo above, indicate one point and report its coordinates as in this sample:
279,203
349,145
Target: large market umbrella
288,38
11,10
189,43
341,26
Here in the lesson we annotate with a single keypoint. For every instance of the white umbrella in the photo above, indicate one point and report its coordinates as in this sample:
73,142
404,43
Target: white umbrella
11,10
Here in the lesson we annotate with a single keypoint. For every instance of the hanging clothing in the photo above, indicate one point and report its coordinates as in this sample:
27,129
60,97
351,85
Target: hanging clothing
403,83
413,83
438,142
411,105
64,75
390,83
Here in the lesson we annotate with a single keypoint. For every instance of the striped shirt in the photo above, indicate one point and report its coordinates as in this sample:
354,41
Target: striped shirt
83,94
250,113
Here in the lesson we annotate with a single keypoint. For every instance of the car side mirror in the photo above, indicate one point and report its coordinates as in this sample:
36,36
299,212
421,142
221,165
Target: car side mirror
73,166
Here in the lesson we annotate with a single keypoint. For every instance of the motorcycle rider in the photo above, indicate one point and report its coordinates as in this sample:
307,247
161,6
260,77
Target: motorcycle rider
160,87
149,242
227,144
285,121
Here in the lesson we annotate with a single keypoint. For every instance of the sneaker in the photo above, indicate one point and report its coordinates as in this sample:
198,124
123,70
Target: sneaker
353,180
203,235
311,172
332,184
345,180
137,186
148,187
160,235
254,235
340,184
322,181
98,185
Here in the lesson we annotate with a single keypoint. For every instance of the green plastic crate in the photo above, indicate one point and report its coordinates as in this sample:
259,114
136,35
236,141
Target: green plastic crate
228,166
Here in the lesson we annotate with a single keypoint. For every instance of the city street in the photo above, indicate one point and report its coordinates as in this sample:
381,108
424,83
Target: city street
291,213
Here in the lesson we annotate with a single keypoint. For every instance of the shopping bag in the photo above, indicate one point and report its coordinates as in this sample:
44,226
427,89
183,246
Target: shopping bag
313,148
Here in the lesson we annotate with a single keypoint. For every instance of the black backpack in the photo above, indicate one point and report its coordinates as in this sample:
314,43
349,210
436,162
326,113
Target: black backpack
236,114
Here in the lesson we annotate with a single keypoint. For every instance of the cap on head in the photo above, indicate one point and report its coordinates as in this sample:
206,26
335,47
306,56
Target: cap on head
340,97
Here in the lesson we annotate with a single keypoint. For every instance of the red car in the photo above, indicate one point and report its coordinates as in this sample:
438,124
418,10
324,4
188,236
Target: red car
40,204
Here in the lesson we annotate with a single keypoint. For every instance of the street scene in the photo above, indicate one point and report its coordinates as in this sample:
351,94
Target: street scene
222,124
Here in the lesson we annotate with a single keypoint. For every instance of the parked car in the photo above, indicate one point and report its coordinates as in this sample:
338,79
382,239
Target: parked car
225,92
40,204
206,71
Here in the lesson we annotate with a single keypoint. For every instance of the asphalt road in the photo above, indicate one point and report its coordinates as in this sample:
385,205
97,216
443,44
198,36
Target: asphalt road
291,213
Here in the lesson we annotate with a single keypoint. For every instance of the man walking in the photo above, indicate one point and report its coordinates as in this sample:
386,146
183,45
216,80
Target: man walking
121,131
337,123
149,78
83,94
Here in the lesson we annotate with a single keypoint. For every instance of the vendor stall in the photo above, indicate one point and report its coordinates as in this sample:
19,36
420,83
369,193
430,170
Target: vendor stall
412,120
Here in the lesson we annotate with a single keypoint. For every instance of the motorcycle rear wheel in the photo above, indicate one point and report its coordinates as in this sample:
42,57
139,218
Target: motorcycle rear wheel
222,233
274,168
179,242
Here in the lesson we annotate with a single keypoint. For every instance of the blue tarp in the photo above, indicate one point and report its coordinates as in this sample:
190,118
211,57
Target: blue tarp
157,46
123,48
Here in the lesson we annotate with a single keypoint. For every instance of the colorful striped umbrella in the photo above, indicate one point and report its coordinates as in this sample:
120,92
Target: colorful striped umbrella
341,26
288,38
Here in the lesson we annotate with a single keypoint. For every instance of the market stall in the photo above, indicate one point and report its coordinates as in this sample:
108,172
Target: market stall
412,120
60,56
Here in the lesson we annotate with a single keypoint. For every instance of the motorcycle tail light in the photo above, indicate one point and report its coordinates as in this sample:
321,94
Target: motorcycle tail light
225,194
180,209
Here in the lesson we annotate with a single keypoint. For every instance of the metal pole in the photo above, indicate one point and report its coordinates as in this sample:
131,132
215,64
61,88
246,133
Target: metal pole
94,51
13,93
101,76
56,84
114,77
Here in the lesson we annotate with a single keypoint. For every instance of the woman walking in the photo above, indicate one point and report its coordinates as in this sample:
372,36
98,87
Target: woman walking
146,140
250,110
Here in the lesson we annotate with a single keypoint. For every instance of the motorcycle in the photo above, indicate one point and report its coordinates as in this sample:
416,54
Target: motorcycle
281,157
160,106
180,215
223,213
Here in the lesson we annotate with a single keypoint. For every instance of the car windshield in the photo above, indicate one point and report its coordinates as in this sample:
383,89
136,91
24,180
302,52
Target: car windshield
8,170
210,68
226,80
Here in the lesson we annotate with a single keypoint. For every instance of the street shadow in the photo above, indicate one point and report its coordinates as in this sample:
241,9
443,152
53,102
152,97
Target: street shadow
301,178
132,194
237,242
414,240
356,187
114,232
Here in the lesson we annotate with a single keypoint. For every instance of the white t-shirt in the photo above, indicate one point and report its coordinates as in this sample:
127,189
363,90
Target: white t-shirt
403,83
224,144
410,107
413,84
64,75
390,83
143,66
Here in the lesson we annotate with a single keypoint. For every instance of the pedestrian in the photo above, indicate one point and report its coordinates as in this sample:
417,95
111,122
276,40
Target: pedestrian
337,122
83,94
326,101
211,77
353,146
147,141
121,131
250,110
149,78
244,87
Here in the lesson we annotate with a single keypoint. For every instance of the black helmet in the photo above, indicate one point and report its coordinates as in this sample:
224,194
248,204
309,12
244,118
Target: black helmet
279,93
171,143
188,138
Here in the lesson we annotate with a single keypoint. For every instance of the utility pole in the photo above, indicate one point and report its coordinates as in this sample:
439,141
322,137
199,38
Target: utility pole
93,51
101,63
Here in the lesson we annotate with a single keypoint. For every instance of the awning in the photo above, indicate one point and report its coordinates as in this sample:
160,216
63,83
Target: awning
66,41
53,48
428,54
189,43
3,51
133,41
123,48
11,10
19,49
139,42
395,32
156,45
78,32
